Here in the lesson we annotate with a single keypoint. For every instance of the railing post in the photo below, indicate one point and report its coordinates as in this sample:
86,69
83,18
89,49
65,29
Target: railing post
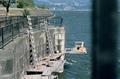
18,25
23,22
12,31
2,37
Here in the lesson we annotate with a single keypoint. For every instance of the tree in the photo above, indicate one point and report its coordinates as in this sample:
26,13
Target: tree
20,4
25,3
6,4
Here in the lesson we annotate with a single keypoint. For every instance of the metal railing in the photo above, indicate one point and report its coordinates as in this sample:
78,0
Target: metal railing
12,26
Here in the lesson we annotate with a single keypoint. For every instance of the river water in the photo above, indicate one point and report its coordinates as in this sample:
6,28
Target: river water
78,28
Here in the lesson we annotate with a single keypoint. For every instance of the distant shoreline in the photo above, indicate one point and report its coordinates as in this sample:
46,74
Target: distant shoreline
72,10
87,10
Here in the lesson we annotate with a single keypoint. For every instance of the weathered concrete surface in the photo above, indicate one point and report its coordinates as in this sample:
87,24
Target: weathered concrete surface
17,52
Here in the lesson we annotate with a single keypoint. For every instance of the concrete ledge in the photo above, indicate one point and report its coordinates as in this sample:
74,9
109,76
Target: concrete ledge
19,12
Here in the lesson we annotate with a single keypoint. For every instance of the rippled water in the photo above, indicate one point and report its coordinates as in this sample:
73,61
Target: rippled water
78,28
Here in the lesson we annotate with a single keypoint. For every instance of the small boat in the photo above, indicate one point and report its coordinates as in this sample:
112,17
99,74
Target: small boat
79,47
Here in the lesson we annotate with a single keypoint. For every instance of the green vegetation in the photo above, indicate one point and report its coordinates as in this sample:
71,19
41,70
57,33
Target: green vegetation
25,3
20,4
